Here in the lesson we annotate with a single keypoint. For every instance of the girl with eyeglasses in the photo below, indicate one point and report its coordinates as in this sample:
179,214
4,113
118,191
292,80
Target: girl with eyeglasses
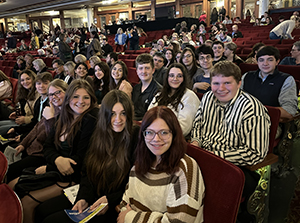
32,145
107,164
176,96
65,146
165,185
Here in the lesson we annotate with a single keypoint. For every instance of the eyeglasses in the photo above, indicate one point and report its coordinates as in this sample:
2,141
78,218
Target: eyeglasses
173,76
205,58
293,50
56,93
163,134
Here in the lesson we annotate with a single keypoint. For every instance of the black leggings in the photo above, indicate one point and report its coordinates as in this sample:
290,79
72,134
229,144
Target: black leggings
53,211
15,169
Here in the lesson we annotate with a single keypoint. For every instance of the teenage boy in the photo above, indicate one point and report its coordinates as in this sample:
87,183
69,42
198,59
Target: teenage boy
271,86
205,56
111,58
144,91
41,83
218,48
232,124
160,69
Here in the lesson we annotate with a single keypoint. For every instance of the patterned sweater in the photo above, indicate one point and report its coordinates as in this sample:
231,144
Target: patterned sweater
160,197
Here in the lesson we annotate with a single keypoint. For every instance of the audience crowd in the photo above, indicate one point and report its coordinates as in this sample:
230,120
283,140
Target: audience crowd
84,121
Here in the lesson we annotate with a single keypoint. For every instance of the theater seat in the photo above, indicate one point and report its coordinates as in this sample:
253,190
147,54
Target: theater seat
245,67
259,200
129,62
224,184
10,206
3,167
133,78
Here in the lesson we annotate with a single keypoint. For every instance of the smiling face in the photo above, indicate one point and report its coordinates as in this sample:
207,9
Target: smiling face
168,55
224,88
80,101
118,117
41,87
205,61
175,78
98,72
187,58
26,81
145,72
36,67
156,145
267,64
117,72
81,71
218,50
56,95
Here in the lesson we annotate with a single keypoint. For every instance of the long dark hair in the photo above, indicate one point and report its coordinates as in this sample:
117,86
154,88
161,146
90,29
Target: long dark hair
172,59
171,158
107,160
112,83
65,123
23,93
174,100
104,82
255,48
86,67
194,68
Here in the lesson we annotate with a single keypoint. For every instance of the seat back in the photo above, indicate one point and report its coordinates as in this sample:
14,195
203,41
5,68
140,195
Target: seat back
3,167
10,206
224,184
274,114
14,83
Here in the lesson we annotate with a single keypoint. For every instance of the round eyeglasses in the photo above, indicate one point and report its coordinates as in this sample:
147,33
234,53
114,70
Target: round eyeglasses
162,134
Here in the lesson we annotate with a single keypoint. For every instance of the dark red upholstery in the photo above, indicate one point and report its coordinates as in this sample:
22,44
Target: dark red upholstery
274,114
224,184
3,167
245,67
133,78
14,83
10,206
129,62
292,70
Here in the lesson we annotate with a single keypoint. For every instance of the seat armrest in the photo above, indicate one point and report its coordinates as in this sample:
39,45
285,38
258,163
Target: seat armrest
269,159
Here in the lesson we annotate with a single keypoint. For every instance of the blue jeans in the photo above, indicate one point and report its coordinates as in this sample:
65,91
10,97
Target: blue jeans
274,36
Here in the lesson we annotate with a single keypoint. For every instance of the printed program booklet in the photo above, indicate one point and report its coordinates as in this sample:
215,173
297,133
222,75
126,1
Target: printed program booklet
86,215
71,193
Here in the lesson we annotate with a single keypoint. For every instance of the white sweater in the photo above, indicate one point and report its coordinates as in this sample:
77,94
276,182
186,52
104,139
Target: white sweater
185,114
159,197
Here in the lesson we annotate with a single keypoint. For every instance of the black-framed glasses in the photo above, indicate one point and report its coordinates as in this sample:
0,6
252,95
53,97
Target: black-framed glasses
163,134
56,93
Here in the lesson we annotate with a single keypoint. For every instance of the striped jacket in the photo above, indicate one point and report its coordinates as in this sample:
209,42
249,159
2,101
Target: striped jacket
237,132
160,197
